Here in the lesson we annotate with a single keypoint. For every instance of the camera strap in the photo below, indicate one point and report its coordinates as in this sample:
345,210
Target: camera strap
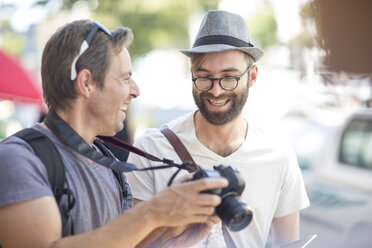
185,156
73,140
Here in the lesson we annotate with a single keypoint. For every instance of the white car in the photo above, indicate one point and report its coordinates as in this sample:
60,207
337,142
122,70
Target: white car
338,176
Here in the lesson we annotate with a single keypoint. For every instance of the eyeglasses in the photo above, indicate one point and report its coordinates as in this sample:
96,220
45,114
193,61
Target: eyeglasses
226,83
85,45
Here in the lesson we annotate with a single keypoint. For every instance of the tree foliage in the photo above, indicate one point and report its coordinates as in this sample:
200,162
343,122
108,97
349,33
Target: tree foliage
263,27
156,24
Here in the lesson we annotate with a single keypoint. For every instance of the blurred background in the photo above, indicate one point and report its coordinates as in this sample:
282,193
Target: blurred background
313,89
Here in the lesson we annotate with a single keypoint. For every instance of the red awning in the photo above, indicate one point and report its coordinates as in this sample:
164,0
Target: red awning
18,84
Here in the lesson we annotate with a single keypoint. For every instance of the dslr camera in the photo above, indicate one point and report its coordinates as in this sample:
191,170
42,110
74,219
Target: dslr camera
233,212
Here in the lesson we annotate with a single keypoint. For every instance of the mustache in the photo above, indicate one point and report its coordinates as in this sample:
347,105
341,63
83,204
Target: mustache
222,96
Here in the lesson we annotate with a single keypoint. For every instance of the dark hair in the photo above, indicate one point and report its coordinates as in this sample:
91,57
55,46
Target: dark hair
64,46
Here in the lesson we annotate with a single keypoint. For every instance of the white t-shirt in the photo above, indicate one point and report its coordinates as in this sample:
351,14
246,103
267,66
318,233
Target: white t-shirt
273,181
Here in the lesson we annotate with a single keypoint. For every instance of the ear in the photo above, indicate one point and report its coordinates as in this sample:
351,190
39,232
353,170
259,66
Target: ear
84,83
253,75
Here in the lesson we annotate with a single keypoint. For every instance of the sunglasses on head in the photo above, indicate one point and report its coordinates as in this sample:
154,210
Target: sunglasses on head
85,45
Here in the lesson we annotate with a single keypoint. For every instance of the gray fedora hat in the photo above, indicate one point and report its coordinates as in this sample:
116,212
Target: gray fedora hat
222,31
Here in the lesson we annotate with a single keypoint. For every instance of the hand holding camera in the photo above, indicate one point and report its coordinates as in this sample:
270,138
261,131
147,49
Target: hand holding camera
234,213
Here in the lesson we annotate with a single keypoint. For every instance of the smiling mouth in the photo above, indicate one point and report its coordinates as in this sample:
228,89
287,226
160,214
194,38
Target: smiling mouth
218,103
123,110
124,107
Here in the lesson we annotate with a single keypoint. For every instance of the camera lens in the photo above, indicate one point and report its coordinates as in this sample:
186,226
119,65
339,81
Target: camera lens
240,221
234,213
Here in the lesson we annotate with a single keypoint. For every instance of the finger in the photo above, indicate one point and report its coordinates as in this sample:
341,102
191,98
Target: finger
202,210
212,220
193,210
195,219
208,183
184,178
206,199
192,196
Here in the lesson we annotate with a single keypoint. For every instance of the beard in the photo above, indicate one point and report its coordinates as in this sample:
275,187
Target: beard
220,118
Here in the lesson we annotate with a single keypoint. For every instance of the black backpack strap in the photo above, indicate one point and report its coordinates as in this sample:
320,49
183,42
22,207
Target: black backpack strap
106,151
45,149
48,154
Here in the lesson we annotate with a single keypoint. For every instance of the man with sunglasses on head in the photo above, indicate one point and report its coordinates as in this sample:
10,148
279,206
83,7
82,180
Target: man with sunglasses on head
87,83
223,70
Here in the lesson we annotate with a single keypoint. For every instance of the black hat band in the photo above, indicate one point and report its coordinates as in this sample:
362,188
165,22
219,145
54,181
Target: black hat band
221,39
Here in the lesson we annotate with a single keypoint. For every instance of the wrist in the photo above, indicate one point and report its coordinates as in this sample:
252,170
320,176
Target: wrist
149,214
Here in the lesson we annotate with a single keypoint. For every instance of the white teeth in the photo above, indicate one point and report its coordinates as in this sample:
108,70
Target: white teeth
218,103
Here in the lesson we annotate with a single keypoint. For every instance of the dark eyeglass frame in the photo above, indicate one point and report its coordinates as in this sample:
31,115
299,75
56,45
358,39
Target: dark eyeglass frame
237,78
85,45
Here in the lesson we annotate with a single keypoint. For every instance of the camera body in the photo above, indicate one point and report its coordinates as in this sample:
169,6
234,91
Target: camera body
234,213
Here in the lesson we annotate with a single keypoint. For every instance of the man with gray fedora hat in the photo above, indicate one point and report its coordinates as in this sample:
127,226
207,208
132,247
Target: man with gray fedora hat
223,70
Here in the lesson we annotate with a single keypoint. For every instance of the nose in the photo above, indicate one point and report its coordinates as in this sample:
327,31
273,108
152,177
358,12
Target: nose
134,89
216,90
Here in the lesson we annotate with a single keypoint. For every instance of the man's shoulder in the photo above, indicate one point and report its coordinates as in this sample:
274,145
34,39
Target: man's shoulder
182,123
16,145
268,136
178,125
13,148
13,142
